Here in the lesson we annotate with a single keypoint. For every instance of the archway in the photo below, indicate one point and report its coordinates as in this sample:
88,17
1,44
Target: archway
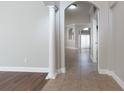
102,29
84,45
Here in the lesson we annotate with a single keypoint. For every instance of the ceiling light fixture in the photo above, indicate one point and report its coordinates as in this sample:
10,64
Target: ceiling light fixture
85,29
73,6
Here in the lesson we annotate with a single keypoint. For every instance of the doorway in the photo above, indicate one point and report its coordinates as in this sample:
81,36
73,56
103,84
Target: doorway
85,34
85,41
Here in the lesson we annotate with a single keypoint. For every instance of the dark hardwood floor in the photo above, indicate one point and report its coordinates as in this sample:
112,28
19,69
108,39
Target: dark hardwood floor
22,81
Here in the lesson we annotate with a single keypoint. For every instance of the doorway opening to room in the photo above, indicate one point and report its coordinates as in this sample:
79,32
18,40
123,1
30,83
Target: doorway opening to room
84,39
81,37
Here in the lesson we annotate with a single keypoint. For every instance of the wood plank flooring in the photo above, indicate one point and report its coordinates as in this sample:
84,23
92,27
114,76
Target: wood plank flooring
22,81
81,75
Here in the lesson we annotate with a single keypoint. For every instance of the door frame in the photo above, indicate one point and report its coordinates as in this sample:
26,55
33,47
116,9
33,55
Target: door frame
63,6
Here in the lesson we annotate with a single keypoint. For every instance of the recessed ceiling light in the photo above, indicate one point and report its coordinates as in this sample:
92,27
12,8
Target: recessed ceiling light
85,29
73,6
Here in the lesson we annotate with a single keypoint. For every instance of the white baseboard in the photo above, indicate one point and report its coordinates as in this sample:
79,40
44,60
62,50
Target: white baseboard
71,48
93,60
114,76
118,80
51,76
103,71
24,69
61,70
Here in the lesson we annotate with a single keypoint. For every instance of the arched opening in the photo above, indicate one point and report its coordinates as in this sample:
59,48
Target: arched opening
85,34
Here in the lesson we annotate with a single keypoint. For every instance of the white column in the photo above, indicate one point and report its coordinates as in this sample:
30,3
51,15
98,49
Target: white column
52,63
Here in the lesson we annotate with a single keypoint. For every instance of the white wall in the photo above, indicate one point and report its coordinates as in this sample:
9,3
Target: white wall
117,36
103,45
24,34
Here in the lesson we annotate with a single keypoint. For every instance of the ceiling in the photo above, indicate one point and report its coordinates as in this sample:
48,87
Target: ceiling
47,3
83,8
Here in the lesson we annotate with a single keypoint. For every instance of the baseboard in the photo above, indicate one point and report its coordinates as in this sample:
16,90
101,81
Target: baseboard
24,69
71,48
117,79
114,76
61,70
93,60
51,76
103,71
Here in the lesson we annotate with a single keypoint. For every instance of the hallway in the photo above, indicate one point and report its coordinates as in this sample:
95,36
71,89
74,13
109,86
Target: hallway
81,75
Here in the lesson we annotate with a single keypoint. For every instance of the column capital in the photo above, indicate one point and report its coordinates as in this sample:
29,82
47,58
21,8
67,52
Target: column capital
52,7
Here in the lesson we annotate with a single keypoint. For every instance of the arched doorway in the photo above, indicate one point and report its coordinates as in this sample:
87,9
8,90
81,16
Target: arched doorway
103,37
63,7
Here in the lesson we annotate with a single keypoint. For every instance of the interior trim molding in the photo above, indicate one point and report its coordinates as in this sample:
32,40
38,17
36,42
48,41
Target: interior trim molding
113,4
61,70
51,77
103,71
24,69
93,60
114,76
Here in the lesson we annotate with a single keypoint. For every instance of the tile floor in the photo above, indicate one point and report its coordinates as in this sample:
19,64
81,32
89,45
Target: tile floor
81,75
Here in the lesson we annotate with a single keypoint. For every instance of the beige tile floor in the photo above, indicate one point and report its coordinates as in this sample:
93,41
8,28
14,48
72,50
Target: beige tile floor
81,75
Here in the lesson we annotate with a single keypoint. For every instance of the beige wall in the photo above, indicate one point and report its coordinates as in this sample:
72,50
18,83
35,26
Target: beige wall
24,34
